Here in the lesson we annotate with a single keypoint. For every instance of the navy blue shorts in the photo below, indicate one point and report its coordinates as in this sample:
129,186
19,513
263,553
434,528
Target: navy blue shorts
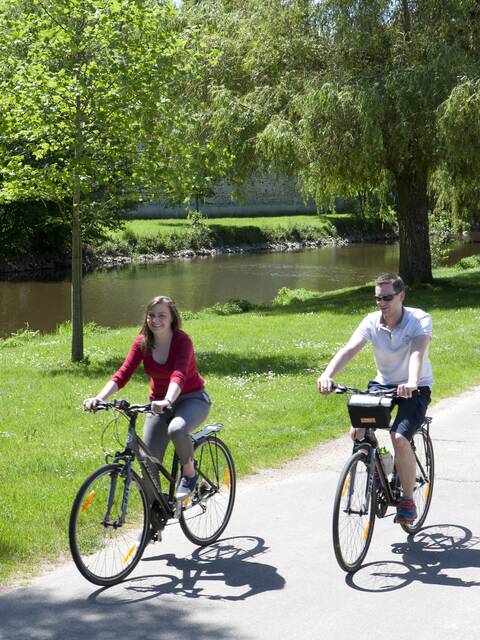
411,411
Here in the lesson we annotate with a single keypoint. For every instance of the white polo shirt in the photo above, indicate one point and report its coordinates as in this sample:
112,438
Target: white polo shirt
392,346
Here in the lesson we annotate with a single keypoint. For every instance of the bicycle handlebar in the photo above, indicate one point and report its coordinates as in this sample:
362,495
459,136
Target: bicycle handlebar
341,389
122,405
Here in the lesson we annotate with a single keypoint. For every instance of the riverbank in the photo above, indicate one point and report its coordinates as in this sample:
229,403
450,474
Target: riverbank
157,241
260,366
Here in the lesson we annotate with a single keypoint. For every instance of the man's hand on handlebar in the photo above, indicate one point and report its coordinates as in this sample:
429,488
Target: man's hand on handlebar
406,390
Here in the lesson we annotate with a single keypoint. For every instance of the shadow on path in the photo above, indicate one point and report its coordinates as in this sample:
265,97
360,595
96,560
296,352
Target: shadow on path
433,556
36,613
221,571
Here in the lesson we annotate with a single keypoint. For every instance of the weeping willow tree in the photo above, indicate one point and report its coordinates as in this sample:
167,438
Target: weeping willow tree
352,97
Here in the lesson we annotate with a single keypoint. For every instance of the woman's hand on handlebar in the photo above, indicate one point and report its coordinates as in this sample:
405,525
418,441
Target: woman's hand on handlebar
325,384
159,406
90,404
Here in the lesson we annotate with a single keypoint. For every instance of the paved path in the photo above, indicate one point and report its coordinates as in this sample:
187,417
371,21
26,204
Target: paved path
274,575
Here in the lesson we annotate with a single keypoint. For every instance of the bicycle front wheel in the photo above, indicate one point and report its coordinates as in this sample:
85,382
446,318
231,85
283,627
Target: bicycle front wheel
353,513
422,492
206,513
107,539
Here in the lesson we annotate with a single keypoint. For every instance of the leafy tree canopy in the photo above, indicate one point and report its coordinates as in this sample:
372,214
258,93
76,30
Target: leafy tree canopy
350,96
95,110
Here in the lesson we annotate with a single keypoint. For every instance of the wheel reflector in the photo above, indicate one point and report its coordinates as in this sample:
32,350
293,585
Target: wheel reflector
365,531
88,500
346,484
129,554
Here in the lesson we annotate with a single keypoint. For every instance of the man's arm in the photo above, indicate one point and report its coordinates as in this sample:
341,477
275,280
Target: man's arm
339,361
417,353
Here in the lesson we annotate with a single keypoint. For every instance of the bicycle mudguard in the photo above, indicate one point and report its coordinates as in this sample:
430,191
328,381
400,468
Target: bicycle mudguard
206,431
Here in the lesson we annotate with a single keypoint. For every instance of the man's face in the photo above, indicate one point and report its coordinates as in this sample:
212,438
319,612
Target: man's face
389,302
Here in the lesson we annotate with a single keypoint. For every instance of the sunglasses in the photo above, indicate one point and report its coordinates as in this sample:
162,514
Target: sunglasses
387,298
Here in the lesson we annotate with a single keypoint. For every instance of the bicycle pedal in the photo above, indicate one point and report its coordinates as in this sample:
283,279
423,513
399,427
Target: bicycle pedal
155,536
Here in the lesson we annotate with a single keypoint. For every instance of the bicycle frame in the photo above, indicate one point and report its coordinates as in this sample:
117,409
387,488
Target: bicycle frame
135,448
374,464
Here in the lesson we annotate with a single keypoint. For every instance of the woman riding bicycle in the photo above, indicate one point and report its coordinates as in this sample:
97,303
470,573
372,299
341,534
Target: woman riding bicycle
175,385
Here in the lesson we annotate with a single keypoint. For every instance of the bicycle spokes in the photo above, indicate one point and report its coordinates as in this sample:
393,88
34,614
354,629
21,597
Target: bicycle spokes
206,513
354,513
106,538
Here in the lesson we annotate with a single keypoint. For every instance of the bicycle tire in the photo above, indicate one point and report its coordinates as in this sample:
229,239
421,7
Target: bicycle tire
422,492
352,532
104,553
206,513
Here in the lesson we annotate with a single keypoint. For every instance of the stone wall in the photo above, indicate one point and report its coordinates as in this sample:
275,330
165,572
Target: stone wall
262,195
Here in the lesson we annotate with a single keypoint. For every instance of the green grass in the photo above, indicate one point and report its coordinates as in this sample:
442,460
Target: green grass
260,366
153,227
170,235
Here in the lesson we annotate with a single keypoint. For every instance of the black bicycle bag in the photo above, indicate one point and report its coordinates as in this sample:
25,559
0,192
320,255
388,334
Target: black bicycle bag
370,411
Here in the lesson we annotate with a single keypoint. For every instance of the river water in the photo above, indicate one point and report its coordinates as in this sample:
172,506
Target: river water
117,297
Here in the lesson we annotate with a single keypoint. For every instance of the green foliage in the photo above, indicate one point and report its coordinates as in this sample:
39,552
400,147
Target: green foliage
20,337
98,109
471,262
441,236
286,296
352,97
90,329
231,307
459,137
33,228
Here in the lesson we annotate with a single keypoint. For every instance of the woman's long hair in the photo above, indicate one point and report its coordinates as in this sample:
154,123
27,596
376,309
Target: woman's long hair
148,339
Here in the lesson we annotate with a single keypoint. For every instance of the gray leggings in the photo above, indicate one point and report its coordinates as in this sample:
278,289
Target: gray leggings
189,411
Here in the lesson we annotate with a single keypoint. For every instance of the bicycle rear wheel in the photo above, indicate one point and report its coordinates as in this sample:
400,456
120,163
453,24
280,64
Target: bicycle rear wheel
353,513
206,513
105,549
422,492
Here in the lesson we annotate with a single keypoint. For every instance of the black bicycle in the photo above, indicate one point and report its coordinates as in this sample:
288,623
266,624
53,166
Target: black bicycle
365,489
117,512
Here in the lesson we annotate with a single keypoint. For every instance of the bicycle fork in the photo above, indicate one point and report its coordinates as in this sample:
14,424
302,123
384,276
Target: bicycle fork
365,506
126,472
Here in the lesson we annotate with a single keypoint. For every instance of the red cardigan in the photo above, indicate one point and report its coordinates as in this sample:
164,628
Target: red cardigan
180,367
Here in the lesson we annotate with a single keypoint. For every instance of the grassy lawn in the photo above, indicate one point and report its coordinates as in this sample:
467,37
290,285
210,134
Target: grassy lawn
140,237
260,366
146,228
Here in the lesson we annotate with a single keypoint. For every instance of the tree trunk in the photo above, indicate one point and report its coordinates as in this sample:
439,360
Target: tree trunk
412,215
76,293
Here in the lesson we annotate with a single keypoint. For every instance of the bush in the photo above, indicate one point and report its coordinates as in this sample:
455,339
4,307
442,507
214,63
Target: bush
231,307
19,338
471,262
286,296
442,235
33,228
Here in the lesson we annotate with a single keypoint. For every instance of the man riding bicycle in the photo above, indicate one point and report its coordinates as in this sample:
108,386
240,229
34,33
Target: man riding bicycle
400,337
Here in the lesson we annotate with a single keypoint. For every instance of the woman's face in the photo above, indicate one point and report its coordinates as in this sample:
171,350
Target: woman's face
159,319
